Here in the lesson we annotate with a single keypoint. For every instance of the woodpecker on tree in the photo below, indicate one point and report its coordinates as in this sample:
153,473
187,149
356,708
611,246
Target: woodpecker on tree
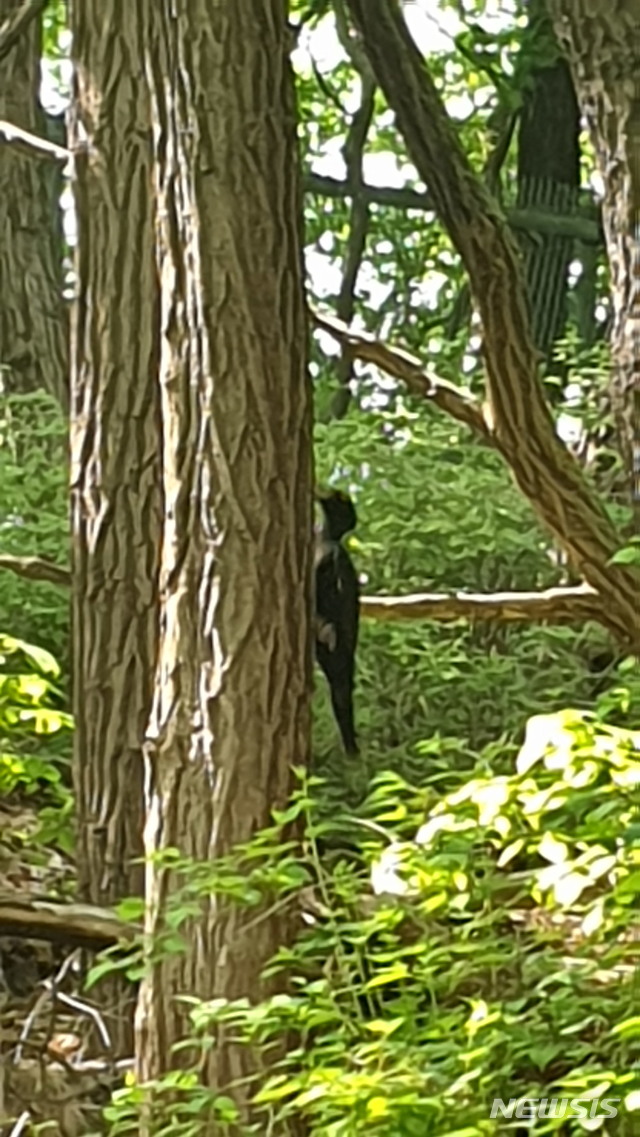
337,609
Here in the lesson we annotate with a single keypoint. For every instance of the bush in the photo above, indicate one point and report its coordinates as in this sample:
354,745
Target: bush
480,945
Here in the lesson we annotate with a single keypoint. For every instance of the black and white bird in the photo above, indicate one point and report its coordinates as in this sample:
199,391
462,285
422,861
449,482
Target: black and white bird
337,609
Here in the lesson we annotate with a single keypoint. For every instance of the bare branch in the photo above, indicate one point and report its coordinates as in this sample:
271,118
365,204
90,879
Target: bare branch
350,42
31,144
458,403
554,606
14,26
79,925
35,568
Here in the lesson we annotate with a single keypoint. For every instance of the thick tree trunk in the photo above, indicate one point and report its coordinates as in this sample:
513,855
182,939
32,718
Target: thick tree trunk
116,494
602,38
231,711
33,321
517,415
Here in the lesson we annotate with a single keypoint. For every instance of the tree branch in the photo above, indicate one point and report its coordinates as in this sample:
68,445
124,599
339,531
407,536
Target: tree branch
554,606
78,925
402,365
16,24
528,220
517,415
35,568
353,151
31,145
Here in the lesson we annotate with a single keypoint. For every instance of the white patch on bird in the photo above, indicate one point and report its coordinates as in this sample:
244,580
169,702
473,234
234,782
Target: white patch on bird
326,633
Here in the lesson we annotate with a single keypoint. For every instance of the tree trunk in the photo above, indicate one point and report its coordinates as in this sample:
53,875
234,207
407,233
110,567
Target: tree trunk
232,700
602,38
116,492
33,321
548,178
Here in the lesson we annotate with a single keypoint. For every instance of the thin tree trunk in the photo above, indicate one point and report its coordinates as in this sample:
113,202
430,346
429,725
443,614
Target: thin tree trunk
548,177
232,701
602,38
33,321
116,494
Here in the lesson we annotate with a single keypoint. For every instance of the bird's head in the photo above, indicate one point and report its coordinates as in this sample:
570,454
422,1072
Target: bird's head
339,512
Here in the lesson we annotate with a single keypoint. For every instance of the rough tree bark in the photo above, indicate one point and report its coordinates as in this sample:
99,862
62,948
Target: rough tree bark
232,699
602,38
516,413
116,494
33,321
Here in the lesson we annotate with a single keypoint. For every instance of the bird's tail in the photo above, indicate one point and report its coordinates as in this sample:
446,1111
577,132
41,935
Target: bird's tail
342,702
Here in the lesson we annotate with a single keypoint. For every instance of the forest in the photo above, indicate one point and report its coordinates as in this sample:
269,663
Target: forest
319,568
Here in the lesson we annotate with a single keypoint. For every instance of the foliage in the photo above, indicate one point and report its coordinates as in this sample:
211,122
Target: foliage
34,738
630,554
619,701
34,517
436,512
54,23
410,282
480,944
494,954
436,509
439,513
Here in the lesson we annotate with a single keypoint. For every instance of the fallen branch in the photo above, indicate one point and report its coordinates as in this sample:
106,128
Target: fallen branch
555,606
400,364
35,568
78,925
